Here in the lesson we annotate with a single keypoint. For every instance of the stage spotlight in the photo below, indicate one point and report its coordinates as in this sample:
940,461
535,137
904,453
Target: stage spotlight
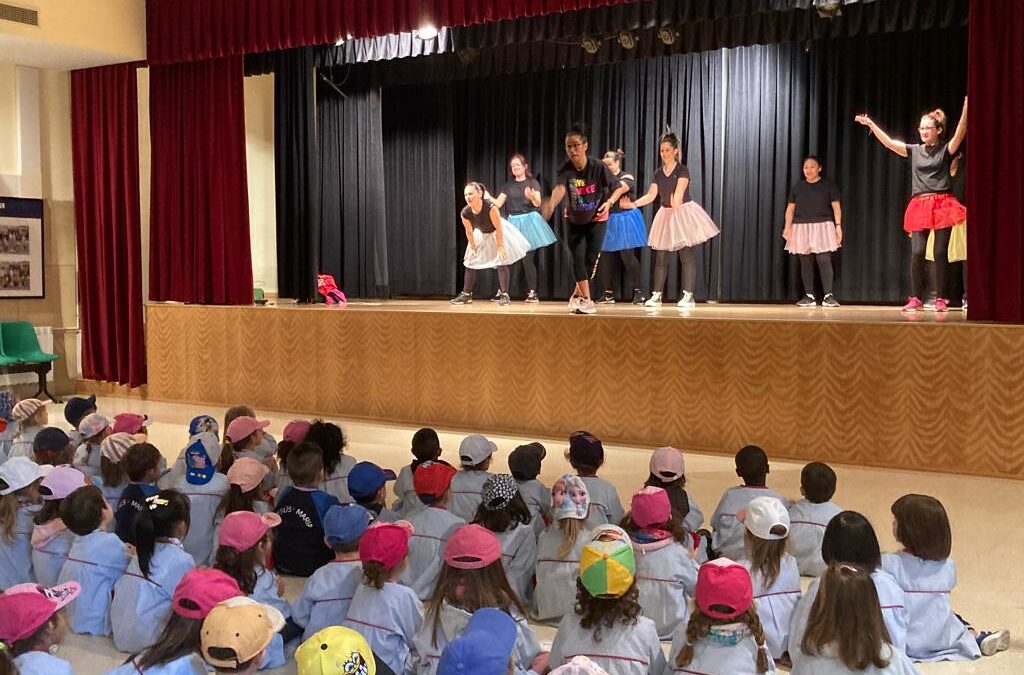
668,35
590,45
627,40
426,31
829,9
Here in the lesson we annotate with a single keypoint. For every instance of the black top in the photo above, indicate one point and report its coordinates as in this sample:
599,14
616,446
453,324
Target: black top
587,190
667,184
814,201
629,180
299,546
480,221
929,168
516,203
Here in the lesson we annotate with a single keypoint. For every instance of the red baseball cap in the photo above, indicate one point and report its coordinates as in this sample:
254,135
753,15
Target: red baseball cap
651,506
296,430
242,530
472,547
385,543
200,590
432,478
130,423
724,590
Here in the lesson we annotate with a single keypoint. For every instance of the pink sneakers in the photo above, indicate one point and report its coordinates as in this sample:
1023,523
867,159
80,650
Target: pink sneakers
913,304
941,305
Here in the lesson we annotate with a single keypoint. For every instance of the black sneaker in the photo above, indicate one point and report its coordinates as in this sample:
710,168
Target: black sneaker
806,301
462,298
638,297
608,298
497,297
532,298
830,301
504,300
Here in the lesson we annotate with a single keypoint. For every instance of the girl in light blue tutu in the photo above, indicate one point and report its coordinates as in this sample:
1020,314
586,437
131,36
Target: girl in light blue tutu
626,231
520,199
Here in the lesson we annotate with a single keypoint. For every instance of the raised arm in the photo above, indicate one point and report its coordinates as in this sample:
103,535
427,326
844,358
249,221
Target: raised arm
652,194
899,147
961,131
532,194
548,207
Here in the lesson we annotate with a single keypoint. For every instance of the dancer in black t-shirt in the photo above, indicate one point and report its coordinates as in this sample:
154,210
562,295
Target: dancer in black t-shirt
932,207
592,189
680,224
626,231
814,229
521,199
492,242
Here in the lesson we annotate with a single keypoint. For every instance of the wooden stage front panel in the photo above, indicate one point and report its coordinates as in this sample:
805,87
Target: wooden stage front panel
855,390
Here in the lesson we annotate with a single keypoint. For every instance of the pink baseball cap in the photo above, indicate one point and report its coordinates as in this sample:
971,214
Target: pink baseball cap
667,463
241,530
247,473
130,423
244,426
472,547
24,608
724,590
651,506
385,543
296,430
62,481
200,590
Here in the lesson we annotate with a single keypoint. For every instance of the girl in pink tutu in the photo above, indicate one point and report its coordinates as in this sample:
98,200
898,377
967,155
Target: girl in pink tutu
814,230
680,224
932,207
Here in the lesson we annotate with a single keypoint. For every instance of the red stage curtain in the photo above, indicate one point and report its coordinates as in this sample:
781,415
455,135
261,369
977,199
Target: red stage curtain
199,231
191,30
995,182
105,156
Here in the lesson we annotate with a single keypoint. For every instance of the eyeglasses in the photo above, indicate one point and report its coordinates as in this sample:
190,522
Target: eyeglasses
927,128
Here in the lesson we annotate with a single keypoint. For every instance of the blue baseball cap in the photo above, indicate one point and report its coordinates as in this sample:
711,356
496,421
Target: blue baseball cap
345,523
77,407
366,478
202,423
484,648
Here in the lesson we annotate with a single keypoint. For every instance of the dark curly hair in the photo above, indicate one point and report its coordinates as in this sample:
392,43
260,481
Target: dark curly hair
598,614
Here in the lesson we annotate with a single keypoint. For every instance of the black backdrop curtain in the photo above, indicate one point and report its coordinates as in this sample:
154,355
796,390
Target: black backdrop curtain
746,115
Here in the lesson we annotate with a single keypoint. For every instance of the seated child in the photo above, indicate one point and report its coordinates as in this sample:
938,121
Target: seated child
19,502
426,447
586,455
244,437
132,423
752,467
337,465
32,626
237,634
486,646
96,561
668,471
327,594
293,434
141,464
432,526
524,465
93,429
559,547
367,485
339,651
75,410
475,455
299,547
51,539
30,417
503,512
205,488
810,516
112,478
52,447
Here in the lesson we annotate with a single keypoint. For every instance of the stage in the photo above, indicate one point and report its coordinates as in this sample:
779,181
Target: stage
856,385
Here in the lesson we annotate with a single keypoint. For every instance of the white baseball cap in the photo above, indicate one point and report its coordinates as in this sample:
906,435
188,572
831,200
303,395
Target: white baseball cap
764,513
19,472
475,449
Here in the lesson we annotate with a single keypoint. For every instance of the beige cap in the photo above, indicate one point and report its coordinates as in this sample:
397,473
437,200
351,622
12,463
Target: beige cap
241,625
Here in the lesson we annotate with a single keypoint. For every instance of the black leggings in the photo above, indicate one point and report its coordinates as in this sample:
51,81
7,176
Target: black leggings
469,280
585,246
918,247
807,271
530,269
685,260
629,261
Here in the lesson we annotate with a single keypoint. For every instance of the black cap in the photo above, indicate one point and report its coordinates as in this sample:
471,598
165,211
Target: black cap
524,462
586,449
78,407
50,438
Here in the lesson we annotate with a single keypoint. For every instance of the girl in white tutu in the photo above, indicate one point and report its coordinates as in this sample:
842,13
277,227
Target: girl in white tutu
520,197
493,242
680,224
814,229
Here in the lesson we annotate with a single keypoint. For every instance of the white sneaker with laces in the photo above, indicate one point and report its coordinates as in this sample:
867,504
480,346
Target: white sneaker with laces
654,300
574,303
686,302
586,307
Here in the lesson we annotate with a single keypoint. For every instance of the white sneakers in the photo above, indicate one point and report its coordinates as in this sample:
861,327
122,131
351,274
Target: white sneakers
686,302
654,300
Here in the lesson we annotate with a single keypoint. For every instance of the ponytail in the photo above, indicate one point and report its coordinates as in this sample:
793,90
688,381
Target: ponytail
228,450
158,519
236,500
939,117
240,565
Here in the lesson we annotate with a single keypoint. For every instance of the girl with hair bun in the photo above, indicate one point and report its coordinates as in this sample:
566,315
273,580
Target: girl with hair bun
626,230
932,207
521,197
680,224
493,242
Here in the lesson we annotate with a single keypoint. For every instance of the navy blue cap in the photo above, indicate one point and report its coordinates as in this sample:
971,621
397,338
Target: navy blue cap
366,478
345,523
78,407
50,438
202,423
484,648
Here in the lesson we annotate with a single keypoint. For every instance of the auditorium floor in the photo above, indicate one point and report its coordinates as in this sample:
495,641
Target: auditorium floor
988,539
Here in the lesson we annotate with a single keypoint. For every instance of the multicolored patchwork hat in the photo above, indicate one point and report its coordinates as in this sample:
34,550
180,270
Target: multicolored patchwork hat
607,565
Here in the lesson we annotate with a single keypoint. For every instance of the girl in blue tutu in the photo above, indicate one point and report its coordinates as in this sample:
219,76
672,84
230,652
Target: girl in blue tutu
626,231
520,199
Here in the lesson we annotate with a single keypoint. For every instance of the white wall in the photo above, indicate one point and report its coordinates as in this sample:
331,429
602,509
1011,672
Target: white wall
259,155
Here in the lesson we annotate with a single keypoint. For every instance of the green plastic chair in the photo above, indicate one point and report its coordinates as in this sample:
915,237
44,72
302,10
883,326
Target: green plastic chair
5,360
20,342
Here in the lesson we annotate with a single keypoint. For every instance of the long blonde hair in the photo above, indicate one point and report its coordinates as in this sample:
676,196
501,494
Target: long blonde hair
571,529
765,555
9,505
700,626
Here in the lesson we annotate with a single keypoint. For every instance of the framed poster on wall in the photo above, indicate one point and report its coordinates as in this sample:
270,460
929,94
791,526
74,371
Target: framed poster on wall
21,248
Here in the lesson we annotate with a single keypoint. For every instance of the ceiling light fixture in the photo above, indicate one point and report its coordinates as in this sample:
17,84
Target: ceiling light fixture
590,45
627,40
668,35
